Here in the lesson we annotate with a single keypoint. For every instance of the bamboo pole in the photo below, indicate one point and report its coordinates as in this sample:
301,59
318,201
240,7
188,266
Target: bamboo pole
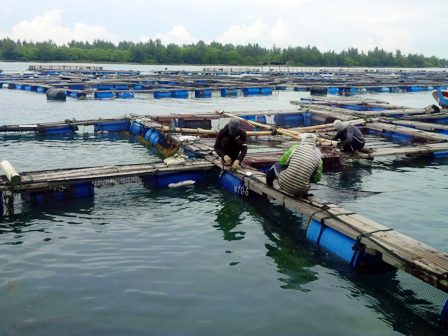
208,132
317,127
279,130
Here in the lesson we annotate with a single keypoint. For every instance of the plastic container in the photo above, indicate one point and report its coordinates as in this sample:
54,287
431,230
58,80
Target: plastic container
103,95
104,87
289,119
164,179
125,95
158,94
180,94
203,93
117,126
233,184
56,94
229,92
266,91
73,191
138,129
76,87
251,91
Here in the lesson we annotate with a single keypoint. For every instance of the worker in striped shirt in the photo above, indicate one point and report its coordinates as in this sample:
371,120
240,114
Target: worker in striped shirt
298,167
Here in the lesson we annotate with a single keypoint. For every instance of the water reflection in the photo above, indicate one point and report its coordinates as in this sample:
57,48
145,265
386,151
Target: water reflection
228,217
344,184
405,303
31,217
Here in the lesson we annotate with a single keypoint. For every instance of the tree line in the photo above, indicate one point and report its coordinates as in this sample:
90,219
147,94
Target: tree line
154,52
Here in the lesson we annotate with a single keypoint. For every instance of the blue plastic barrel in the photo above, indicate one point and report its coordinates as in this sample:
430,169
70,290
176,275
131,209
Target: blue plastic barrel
332,240
148,134
229,92
73,191
233,184
104,87
76,87
158,94
251,91
103,95
125,95
164,179
59,130
441,154
203,93
116,126
289,119
137,128
121,87
266,91
154,137
180,94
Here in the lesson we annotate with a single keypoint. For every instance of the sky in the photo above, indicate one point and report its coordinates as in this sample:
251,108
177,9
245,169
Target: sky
411,26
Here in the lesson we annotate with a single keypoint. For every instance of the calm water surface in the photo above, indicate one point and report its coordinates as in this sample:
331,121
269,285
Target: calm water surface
198,260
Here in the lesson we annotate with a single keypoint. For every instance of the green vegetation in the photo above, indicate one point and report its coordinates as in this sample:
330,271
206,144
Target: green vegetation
154,52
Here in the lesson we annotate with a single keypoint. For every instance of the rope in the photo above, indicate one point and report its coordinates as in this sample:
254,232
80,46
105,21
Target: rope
154,166
368,234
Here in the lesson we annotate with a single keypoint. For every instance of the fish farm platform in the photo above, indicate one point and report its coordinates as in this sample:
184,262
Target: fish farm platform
359,241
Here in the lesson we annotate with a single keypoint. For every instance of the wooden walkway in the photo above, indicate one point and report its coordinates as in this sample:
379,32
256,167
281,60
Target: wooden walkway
53,179
396,249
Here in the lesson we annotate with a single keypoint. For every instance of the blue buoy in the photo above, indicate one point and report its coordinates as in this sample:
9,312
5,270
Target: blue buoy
116,126
203,93
138,129
229,92
103,95
73,191
251,91
164,179
158,94
125,95
180,94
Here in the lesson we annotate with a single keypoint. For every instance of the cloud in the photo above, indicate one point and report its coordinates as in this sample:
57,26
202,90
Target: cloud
48,27
178,35
260,33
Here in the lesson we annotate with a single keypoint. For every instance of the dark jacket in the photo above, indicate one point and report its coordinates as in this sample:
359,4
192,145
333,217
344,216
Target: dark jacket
235,147
348,135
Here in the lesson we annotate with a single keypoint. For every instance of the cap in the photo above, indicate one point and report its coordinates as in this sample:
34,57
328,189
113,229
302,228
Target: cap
234,125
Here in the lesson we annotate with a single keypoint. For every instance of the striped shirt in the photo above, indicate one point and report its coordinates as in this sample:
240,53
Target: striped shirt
304,162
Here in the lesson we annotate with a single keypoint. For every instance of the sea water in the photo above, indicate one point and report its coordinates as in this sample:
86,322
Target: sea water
198,260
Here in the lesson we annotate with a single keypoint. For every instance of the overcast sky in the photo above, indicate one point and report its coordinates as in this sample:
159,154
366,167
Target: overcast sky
413,26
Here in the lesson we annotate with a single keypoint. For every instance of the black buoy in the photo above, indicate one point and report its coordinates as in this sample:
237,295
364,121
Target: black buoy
319,90
56,94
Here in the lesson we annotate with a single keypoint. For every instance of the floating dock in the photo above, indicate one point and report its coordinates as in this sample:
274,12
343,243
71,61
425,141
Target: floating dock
82,81
359,241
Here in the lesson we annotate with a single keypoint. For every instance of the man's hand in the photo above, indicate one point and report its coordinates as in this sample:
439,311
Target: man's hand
236,164
227,159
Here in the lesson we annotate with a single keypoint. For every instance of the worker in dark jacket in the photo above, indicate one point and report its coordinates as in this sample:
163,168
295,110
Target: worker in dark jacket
231,144
351,137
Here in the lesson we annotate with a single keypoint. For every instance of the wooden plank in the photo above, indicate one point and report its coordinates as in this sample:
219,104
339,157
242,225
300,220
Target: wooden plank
404,150
431,136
